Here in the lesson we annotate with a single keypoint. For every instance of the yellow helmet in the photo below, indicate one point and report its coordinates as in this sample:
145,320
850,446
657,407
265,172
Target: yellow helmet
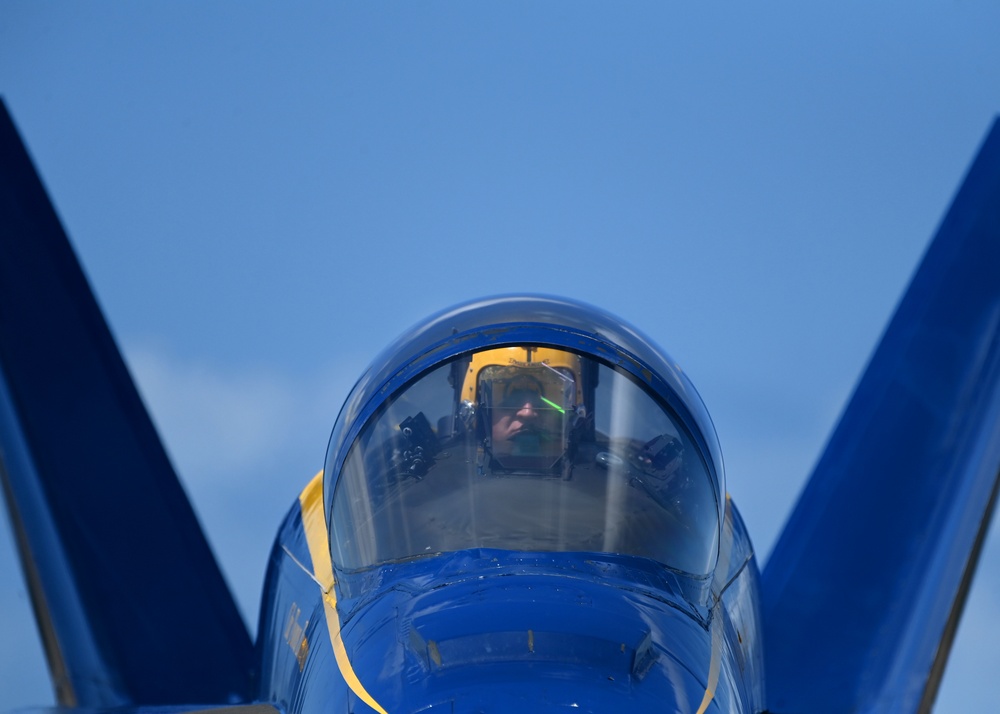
524,362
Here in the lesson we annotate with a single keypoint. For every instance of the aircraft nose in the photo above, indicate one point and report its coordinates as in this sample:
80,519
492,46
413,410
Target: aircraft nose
565,690
540,644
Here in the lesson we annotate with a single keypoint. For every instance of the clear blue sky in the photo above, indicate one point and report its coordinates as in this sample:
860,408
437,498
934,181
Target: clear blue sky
264,195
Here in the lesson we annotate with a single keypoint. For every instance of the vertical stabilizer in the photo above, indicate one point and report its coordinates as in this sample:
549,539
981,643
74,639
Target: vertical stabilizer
130,602
867,582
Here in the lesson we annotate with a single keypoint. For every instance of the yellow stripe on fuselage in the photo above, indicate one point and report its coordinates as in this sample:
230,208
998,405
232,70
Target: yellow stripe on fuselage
314,524
715,661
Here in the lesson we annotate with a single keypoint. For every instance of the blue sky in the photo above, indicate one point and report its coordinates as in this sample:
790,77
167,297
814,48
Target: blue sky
264,195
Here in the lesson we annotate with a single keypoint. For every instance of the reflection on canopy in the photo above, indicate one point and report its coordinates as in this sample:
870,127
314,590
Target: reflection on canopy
528,449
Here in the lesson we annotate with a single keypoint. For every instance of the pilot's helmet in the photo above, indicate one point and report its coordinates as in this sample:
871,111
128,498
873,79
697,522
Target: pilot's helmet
525,402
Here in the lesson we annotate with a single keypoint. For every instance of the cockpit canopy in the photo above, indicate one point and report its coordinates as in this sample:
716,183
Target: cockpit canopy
529,445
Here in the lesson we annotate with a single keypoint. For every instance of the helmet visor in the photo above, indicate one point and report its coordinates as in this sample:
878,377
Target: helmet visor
529,410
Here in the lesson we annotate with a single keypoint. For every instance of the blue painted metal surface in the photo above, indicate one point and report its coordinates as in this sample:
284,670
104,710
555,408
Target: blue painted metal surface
129,599
864,588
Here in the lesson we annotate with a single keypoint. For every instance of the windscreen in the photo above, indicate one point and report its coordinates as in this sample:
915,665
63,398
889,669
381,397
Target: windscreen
524,449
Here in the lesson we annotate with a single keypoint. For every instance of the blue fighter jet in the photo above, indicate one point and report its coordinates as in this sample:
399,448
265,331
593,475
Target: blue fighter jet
523,508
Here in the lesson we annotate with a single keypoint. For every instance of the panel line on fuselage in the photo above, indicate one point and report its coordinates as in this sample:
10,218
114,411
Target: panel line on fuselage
305,569
314,525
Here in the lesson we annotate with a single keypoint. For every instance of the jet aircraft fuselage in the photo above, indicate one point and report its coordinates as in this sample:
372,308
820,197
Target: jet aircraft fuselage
605,570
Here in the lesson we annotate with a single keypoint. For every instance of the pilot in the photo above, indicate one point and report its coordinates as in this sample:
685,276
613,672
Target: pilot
519,415
527,400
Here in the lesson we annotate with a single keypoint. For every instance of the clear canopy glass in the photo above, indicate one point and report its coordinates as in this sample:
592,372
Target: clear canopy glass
524,448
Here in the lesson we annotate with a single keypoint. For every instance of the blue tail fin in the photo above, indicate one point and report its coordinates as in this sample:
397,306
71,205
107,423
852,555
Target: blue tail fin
132,607
865,587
